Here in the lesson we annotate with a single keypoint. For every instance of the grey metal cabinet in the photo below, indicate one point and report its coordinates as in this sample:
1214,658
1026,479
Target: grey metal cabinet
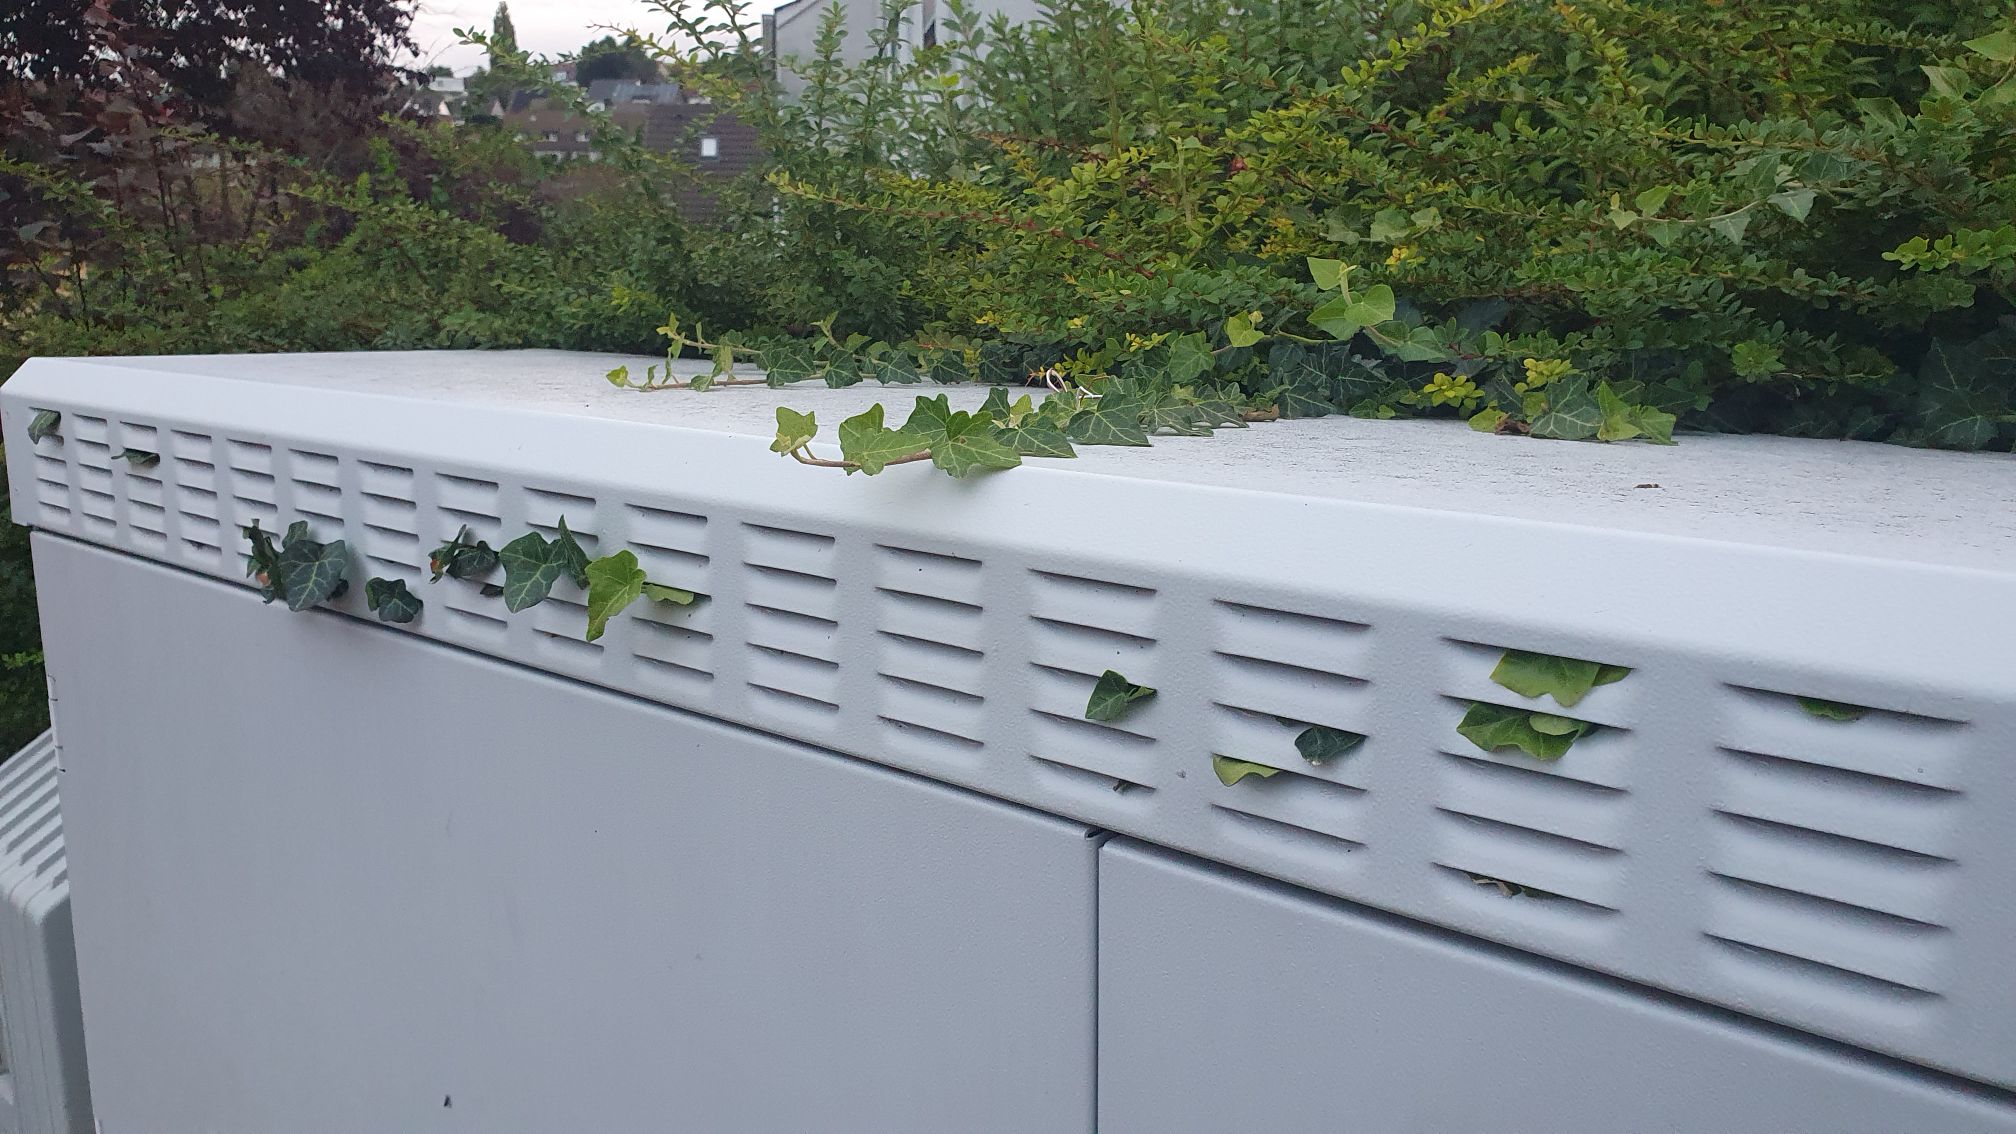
1228,1004
334,879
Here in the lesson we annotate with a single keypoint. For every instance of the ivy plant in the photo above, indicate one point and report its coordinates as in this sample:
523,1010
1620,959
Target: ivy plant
1231,771
1320,744
300,570
138,458
45,423
1567,680
461,556
1543,736
1113,697
616,581
392,600
1832,710
532,564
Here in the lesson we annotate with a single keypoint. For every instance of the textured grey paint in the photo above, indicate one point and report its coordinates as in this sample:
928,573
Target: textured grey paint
1226,1006
333,879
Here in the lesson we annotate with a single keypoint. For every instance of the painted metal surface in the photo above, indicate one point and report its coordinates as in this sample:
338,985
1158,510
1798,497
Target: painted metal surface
1713,840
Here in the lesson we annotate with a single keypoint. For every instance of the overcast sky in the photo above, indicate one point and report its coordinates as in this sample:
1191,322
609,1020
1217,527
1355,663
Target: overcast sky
545,27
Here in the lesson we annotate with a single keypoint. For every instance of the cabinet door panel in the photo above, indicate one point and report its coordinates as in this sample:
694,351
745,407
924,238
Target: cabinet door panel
330,877
1231,1005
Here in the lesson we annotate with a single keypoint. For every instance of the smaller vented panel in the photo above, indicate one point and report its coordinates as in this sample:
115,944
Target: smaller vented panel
1080,626
1271,673
791,620
1834,860
931,664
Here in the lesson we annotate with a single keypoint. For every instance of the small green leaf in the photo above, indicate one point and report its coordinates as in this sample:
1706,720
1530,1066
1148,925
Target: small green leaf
1794,203
573,560
1488,420
392,600
932,419
1547,724
1999,46
1240,331
1231,771
1491,727
1832,710
1036,439
139,458
1112,697
1320,744
1567,680
866,441
263,564
1731,225
1572,413
659,592
1618,423
1114,419
1948,82
619,376
1341,318
530,570
794,430
1653,199
311,572
973,451
462,559
614,582
1328,274
44,424
1189,357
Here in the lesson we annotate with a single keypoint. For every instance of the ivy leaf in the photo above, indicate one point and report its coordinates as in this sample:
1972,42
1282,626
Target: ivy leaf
1036,439
1572,413
1231,771
1487,420
786,361
1328,274
1189,356
1181,420
139,458
1491,727
931,419
1655,425
1832,710
1295,402
462,559
1999,46
1113,419
391,599
1964,391
1112,697
1619,423
572,559
1794,203
659,592
1240,331
1320,744
1547,724
1003,364
44,424
619,377
263,563
972,450
614,582
794,430
1342,317
530,570
872,445
1731,225
1567,680
311,572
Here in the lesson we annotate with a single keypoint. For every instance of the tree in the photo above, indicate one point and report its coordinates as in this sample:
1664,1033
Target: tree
503,37
201,47
607,59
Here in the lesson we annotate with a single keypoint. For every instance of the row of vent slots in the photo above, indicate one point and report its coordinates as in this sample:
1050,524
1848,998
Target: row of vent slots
1282,668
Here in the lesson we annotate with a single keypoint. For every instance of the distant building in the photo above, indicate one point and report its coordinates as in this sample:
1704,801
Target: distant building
442,97
718,147
793,29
